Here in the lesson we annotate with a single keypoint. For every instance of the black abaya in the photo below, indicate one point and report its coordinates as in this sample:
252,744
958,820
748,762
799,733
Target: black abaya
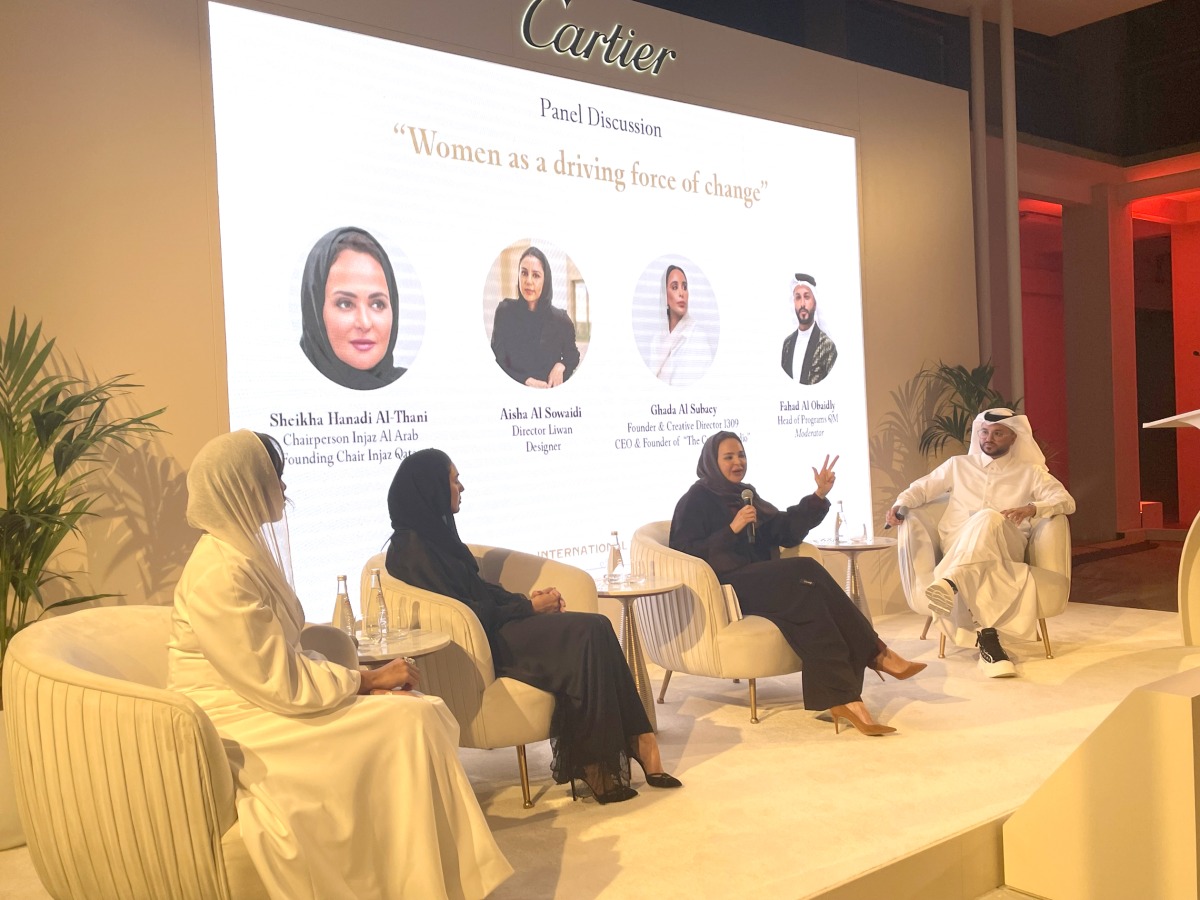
573,655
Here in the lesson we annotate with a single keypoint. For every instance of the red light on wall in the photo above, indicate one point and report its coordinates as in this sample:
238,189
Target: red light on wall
1045,207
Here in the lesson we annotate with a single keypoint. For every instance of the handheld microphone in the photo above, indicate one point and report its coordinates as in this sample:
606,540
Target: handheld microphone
748,500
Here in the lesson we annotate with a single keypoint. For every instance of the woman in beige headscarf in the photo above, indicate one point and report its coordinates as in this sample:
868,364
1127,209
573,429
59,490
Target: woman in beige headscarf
339,794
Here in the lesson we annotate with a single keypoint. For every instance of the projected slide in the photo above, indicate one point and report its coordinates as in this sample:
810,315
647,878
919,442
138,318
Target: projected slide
565,287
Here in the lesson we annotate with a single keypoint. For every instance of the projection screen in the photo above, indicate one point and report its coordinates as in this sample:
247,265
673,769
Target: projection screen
453,168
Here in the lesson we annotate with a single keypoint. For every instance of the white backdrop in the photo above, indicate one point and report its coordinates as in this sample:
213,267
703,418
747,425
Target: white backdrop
319,128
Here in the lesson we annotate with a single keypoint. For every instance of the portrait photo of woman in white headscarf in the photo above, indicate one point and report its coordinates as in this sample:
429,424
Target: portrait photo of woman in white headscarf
675,321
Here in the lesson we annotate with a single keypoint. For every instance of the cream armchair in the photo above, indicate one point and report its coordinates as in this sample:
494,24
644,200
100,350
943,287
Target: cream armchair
491,712
1048,554
699,629
122,786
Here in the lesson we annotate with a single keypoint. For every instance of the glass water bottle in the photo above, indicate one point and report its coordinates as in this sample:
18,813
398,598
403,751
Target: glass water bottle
343,614
616,562
381,611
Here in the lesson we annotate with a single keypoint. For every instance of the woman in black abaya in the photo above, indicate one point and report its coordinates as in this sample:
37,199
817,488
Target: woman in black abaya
599,722
833,639
349,310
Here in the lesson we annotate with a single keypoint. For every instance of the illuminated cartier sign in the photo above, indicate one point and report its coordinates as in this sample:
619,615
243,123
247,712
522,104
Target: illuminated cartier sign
617,48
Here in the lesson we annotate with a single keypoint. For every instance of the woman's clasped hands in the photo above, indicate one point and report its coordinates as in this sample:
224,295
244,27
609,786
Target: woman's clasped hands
396,676
547,600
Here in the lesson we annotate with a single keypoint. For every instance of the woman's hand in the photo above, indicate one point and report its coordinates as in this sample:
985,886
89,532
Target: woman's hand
744,517
535,382
556,375
547,600
398,674
825,478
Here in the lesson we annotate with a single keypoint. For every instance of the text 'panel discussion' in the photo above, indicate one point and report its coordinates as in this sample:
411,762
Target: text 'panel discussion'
570,449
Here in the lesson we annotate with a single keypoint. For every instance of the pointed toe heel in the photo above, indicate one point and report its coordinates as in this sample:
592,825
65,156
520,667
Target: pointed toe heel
870,729
657,779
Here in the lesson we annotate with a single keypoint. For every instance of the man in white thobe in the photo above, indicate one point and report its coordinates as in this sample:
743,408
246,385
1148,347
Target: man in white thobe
983,587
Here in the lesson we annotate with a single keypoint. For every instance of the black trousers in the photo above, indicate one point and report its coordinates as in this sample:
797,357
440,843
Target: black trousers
831,636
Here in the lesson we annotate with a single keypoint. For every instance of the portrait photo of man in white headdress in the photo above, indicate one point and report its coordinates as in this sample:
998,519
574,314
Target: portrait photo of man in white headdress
808,353
983,588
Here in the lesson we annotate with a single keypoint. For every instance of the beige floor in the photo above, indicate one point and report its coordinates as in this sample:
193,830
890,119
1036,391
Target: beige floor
787,808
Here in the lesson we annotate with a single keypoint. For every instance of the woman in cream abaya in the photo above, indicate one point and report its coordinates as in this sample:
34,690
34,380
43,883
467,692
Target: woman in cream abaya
340,793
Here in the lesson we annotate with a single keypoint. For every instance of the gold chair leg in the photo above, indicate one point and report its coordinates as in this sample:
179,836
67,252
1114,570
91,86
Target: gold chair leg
942,646
521,764
1046,638
663,693
753,701
925,630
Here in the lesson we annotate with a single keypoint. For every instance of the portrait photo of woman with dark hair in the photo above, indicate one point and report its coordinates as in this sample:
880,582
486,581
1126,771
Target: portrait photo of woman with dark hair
349,307
535,341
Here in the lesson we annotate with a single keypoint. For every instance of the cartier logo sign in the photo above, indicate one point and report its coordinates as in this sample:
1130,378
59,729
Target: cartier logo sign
617,47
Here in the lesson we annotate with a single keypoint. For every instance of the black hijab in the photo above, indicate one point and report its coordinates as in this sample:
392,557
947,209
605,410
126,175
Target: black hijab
709,476
547,296
419,500
314,340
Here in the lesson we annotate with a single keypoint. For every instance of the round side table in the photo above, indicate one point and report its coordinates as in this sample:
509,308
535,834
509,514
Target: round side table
626,591
853,578
416,642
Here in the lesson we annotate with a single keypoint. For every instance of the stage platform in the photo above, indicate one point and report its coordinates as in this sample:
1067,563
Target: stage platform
788,809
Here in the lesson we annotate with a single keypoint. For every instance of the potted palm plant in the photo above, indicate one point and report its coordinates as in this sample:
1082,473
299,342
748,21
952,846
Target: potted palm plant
53,430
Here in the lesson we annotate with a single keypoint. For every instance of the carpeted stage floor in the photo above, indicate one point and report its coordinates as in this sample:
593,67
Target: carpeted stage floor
788,809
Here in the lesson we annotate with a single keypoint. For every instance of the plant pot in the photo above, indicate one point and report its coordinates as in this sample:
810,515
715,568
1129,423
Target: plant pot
11,834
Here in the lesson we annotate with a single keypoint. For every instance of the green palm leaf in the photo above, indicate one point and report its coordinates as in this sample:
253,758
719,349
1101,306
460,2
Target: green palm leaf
51,426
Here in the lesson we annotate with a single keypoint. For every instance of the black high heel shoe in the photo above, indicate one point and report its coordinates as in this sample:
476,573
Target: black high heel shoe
619,793
657,779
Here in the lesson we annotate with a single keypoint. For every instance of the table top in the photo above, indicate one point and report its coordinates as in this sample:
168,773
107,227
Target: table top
880,543
635,586
416,642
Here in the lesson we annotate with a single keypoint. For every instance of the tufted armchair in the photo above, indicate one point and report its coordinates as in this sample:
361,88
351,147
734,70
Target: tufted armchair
1048,553
123,786
699,629
491,712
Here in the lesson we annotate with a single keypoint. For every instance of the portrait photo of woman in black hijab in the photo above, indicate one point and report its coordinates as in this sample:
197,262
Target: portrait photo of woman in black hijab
350,310
535,342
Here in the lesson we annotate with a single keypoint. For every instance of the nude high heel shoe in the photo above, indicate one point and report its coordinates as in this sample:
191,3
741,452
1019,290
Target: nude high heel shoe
870,729
896,666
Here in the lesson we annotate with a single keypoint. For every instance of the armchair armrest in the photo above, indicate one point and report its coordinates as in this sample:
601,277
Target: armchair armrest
918,547
332,643
1050,545
525,573
413,607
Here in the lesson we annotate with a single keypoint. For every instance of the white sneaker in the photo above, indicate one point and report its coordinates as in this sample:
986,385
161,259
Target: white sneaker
940,595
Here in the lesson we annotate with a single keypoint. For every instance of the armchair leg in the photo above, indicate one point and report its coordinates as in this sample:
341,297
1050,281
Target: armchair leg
1045,638
925,630
942,646
753,701
524,776
663,693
